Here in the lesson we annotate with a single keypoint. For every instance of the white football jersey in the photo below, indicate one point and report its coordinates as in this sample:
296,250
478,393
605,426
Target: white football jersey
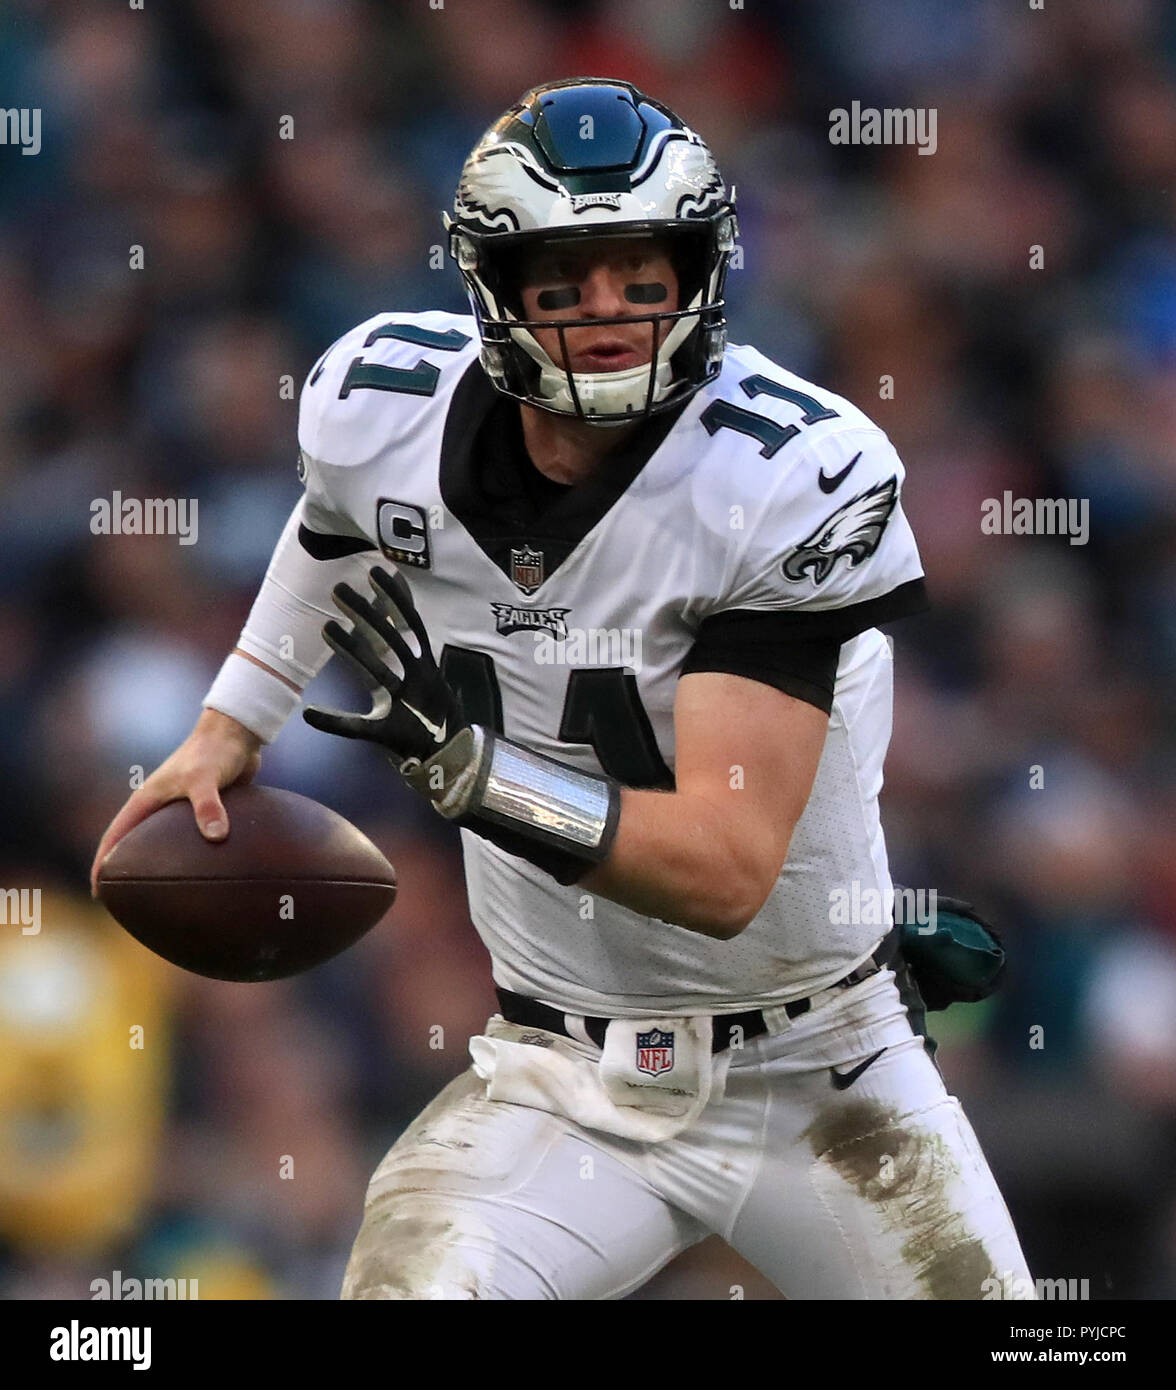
568,633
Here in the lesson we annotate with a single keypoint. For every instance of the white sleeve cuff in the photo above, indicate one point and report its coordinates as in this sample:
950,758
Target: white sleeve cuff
253,697
285,631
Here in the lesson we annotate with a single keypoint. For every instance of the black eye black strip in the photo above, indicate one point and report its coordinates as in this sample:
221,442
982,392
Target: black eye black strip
652,293
565,298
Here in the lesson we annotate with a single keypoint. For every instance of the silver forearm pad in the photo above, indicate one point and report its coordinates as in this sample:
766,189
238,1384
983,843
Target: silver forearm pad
480,774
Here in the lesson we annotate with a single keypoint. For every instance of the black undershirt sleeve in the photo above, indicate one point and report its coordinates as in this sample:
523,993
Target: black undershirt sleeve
795,651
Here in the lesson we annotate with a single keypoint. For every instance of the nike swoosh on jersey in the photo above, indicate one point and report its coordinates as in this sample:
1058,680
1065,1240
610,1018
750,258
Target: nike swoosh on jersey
842,1080
437,730
833,483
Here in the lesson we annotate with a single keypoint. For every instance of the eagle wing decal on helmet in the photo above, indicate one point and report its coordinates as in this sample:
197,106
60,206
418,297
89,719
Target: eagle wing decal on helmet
854,530
708,198
502,173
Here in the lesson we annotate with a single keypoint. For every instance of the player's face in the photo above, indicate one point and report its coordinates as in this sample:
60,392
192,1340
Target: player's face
621,277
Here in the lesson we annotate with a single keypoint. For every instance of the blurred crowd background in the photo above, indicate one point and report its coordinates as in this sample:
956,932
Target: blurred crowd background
1056,129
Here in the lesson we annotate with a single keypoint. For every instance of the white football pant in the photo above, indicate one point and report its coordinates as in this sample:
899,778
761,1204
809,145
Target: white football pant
878,1190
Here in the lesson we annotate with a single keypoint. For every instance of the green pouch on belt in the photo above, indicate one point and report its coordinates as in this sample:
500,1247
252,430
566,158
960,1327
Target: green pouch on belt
961,961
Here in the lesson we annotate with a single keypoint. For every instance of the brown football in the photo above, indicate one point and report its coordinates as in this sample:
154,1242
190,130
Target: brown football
292,885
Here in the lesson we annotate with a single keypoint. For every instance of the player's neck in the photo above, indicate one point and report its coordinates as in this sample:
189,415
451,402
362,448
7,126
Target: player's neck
566,450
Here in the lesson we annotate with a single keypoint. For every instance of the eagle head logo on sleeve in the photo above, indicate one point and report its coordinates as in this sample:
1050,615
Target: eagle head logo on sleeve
854,529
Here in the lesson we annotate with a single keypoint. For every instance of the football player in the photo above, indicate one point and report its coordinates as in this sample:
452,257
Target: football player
616,590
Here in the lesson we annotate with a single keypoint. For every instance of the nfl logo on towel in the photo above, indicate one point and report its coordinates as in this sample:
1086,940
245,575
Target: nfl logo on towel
655,1052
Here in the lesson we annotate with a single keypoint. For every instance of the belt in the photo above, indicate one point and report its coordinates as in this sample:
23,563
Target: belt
530,1013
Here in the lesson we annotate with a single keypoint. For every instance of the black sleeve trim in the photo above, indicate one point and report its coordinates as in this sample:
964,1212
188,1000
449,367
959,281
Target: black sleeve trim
322,547
795,651
805,670
805,624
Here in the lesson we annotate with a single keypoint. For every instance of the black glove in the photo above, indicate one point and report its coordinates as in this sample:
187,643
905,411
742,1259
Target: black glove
414,714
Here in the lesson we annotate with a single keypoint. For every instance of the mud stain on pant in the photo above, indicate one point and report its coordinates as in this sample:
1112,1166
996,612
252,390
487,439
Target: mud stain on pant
413,1249
422,1237
911,1177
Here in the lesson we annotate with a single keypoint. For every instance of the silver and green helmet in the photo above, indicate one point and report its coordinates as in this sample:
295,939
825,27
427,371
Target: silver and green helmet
572,161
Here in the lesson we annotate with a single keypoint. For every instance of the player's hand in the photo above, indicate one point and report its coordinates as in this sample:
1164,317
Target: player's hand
414,712
218,753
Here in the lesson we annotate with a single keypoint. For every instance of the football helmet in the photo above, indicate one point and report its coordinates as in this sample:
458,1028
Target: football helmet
583,159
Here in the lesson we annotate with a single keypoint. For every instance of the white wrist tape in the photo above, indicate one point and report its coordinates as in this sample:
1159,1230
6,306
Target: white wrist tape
252,697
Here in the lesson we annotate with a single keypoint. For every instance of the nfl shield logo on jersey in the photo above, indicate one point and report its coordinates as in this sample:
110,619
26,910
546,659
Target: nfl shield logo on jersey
526,568
655,1052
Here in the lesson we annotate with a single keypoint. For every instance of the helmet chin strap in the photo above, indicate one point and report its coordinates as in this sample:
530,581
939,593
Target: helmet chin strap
606,393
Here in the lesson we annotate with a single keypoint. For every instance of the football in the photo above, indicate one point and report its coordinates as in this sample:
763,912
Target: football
292,885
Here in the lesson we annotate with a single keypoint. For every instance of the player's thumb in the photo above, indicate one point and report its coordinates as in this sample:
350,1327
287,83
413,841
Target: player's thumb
211,818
